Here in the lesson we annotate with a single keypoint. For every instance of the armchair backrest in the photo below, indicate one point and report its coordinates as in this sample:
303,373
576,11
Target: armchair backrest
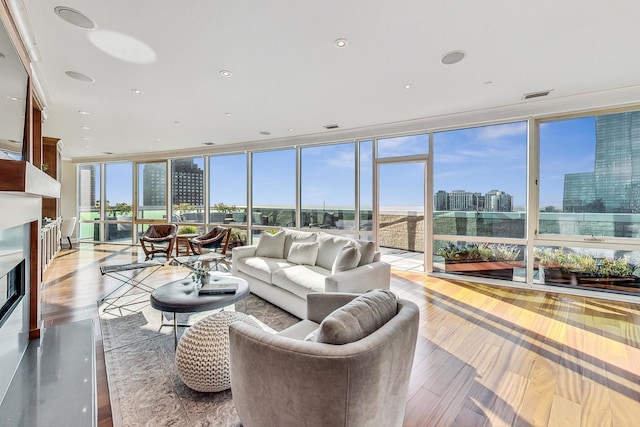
295,382
156,231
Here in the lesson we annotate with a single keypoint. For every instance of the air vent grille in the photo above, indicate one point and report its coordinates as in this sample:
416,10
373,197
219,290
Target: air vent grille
536,94
331,126
209,143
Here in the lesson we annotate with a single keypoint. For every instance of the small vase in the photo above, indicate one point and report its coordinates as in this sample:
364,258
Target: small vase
204,280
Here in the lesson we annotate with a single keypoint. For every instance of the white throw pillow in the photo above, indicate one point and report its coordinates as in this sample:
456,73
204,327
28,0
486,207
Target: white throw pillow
303,253
347,259
271,245
367,251
330,245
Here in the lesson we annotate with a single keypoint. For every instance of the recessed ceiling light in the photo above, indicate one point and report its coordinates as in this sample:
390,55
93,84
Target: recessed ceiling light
85,127
13,98
157,139
341,42
84,113
264,132
452,57
74,17
86,139
290,129
408,86
86,146
137,91
225,73
488,82
79,76
227,114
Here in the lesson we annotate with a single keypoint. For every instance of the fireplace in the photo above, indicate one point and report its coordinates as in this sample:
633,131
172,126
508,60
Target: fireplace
12,288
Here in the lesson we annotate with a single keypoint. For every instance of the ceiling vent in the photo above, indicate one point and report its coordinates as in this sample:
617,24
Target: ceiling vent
209,143
329,127
107,152
536,94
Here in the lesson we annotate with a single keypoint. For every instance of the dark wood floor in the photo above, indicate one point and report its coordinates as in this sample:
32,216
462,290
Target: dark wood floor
485,356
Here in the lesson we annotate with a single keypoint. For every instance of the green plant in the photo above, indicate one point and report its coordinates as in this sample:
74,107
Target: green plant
479,252
44,167
188,229
221,207
199,273
238,234
615,267
122,208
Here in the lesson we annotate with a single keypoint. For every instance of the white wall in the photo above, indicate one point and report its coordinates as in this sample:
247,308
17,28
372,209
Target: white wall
68,193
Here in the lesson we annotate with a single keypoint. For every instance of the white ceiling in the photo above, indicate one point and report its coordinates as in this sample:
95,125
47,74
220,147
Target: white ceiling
288,73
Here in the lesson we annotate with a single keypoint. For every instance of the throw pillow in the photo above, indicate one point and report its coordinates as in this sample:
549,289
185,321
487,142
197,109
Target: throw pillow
347,259
303,253
359,318
271,245
367,251
328,250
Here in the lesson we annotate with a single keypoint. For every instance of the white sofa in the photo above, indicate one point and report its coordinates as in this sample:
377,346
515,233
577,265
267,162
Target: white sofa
284,268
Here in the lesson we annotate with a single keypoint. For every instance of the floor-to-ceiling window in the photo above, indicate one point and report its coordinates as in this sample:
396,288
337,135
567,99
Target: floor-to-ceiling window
480,200
327,186
187,192
365,189
152,203
273,187
589,219
228,194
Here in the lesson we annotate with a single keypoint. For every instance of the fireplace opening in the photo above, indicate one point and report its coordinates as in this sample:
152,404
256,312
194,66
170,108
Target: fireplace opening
12,289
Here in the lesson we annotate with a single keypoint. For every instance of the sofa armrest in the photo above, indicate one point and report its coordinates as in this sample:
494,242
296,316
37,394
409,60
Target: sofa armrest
376,275
240,252
321,304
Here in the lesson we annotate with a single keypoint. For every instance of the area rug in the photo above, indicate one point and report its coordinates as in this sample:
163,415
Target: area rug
144,386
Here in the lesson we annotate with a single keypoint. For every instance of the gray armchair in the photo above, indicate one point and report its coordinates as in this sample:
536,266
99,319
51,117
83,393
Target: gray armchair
282,380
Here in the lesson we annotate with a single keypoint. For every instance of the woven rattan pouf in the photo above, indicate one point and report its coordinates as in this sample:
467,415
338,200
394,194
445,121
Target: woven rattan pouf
202,356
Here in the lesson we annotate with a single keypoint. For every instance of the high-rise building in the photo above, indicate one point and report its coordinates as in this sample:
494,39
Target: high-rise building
614,185
460,200
87,185
498,201
154,184
187,182
441,201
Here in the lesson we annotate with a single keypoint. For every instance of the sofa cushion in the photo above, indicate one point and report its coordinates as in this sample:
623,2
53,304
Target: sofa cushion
367,251
271,245
291,236
303,253
301,279
261,268
328,250
347,259
359,318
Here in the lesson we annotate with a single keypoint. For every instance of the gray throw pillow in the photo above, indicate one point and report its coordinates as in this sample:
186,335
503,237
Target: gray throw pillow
359,318
347,259
303,253
367,251
271,245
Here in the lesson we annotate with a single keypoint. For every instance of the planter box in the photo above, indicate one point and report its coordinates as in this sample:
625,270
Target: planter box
491,269
556,276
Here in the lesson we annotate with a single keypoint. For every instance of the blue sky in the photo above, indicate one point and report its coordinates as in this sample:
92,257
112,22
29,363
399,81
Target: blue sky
475,159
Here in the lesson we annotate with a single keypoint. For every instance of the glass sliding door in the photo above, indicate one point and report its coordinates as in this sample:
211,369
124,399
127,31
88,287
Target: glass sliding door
89,202
118,224
401,225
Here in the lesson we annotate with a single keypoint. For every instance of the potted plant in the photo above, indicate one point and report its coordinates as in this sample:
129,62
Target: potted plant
200,275
481,259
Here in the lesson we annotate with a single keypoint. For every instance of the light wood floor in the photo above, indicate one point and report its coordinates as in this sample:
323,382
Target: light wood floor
485,356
